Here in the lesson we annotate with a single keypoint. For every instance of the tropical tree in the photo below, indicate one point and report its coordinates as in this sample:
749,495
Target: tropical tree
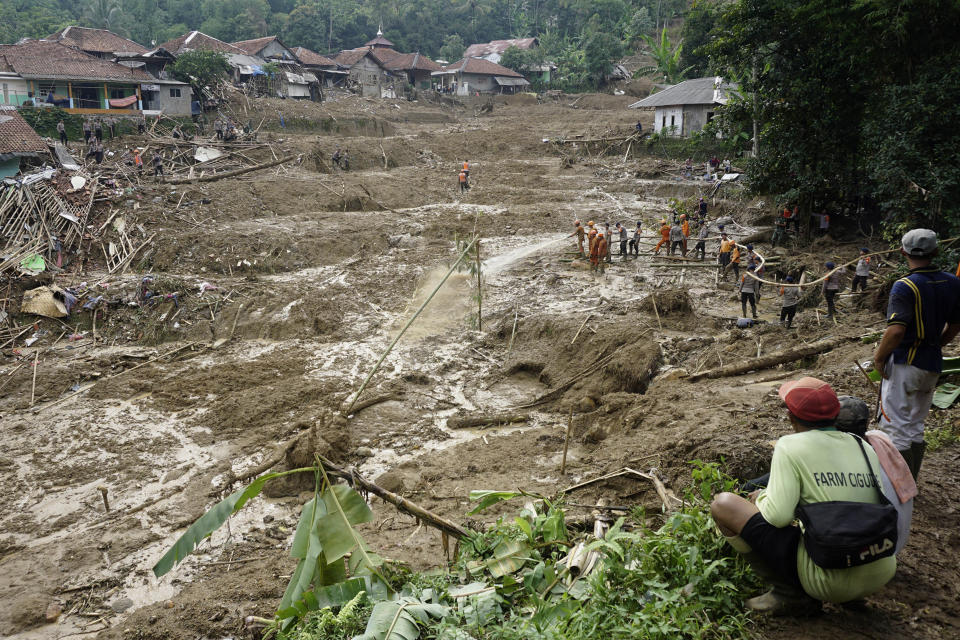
103,14
201,68
452,48
666,58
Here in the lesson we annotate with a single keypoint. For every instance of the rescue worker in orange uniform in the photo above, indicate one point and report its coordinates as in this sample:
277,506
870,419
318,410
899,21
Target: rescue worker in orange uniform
463,182
578,231
466,168
598,256
723,255
664,237
735,262
591,237
686,231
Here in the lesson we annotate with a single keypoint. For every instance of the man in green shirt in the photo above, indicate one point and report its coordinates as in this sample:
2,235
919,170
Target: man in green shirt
815,464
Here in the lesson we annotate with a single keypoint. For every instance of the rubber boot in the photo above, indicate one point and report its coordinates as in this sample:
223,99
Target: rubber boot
783,598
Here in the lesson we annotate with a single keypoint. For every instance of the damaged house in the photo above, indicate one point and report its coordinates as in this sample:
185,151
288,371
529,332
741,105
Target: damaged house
685,108
476,75
18,142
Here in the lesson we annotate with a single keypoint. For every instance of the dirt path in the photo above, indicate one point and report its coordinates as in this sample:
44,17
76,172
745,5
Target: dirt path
312,284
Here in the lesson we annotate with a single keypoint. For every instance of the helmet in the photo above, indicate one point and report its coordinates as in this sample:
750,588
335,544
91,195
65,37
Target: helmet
576,223
663,222
590,224
750,247
864,250
600,232
683,216
830,265
789,278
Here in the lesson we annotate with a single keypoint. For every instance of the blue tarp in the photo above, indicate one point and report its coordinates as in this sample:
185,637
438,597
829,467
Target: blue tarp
195,108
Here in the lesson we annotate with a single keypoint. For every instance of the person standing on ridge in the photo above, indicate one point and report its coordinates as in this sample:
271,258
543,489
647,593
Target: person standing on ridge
923,316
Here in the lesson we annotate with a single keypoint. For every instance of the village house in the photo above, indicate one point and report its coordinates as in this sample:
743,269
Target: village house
379,70
494,50
476,75
97,42
685,108
18,142
324,68
294,81
245,67
50,72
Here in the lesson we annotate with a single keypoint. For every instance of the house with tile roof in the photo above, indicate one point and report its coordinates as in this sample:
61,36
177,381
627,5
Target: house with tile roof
476,75
199,41
378,70
494,50
97,42
51,72
367,71
325,69
18,142
294,81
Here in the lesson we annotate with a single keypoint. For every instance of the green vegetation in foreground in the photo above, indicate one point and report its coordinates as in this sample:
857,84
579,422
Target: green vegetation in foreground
675,580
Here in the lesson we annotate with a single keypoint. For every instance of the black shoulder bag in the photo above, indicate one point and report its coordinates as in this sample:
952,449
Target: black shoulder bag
840,534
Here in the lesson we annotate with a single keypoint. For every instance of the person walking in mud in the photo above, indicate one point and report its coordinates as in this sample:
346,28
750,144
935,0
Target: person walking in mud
464,185
723,254
579,233
748,292
863,271
157,165
831,287
676,239
735,261
609,242
685,227
701,246
788,306
602,247
591,237
664,237
622,230
465,168
635,241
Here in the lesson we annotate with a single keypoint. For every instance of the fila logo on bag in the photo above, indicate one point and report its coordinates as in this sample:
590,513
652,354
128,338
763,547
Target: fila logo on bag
876,549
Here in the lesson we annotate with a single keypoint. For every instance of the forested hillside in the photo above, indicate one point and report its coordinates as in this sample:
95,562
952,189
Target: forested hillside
330,25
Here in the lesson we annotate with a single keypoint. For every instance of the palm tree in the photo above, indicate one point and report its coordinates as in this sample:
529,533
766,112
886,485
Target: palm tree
666,59
103,14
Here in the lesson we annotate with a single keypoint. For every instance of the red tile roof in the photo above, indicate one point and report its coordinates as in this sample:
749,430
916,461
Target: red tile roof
379,41
412,62
498,47
55,60
16,136
313,59
99,40
481,67
255,46
349,57
199,41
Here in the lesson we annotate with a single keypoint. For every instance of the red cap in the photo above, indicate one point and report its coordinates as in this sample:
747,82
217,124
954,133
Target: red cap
810,399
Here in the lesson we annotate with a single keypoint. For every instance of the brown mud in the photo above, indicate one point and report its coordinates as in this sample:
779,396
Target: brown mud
315,271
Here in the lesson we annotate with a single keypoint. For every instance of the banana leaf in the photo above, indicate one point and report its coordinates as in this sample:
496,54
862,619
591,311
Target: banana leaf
398,619
945,395
490,498
213,520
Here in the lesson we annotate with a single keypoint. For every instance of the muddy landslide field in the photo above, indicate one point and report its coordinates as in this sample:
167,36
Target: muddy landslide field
310,274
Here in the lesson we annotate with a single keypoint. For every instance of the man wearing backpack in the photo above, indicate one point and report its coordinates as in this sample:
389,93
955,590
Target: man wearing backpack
815,465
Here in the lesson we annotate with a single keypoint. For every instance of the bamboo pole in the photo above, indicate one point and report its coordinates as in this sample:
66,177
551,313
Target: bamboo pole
384,355
566,443
479,291
33,387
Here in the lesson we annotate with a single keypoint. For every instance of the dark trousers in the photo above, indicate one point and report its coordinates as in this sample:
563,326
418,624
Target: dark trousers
141,128
623,247
635,247
860,280
746,297
157,170
676,244
736,270
463,187
63,137
99,157
787,313
914,457
701,248
99,134
830,294
219,134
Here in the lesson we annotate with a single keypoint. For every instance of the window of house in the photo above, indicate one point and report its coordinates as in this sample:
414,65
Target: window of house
663,122
709,116
174,93
116,94
673,121
47,87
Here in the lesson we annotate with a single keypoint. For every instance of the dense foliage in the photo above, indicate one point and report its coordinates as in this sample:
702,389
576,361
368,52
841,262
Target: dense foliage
201,68
855,103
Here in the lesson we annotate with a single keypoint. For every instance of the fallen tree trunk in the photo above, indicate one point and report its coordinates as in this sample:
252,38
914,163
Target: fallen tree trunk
467,422
448,527
771,360
230,174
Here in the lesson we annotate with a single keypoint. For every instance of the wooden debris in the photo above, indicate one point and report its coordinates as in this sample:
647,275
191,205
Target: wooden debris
495,419
772,360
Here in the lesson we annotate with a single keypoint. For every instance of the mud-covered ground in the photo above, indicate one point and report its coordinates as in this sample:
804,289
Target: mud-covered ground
314,273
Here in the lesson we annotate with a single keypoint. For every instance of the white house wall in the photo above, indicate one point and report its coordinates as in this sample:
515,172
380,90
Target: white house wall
695,117
668,120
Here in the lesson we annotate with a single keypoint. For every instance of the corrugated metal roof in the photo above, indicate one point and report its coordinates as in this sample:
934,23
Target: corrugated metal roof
711,90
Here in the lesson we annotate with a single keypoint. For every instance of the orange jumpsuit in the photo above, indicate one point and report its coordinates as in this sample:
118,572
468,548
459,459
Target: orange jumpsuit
664,238
580,239
686,234
599,250
591,240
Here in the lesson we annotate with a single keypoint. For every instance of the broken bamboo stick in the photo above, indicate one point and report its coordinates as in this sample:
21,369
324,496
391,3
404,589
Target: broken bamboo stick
566,443
469,422
230,174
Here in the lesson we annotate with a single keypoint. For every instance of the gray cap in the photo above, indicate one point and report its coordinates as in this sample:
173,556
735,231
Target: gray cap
854,414
919,243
